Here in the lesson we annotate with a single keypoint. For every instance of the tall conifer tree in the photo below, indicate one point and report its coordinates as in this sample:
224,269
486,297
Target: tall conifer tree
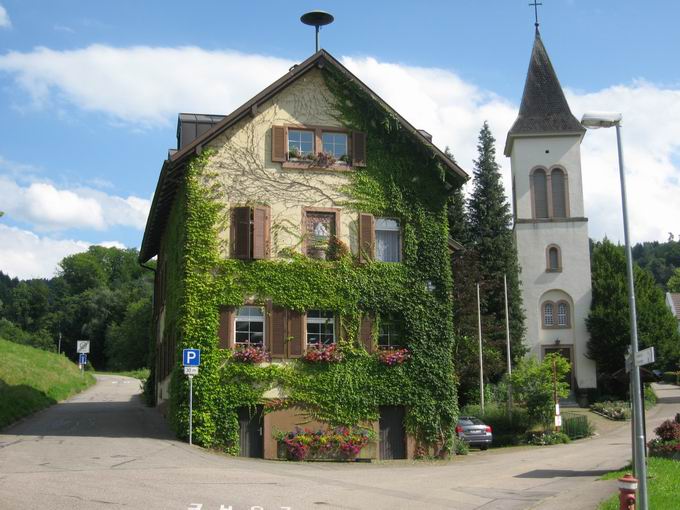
490,236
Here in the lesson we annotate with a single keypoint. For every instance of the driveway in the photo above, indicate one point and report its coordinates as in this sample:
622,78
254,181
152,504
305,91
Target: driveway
104,449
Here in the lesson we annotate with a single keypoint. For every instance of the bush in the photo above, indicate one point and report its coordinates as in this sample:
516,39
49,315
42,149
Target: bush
40,339
507,429
460,447
671,377
618,410
668,431
650,397
546,438
576,426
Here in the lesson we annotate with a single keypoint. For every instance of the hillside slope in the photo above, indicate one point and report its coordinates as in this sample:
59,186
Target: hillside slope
31,379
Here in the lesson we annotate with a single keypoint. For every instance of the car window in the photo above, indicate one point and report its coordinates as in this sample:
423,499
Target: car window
464,422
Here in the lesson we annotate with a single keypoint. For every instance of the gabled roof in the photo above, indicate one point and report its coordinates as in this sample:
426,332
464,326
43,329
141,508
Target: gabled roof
172,171
544,109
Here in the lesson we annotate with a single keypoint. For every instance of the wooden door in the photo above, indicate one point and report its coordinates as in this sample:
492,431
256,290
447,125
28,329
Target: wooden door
392,434
251,427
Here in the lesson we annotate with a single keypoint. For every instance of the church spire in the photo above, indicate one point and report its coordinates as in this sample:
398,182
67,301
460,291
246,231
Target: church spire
544,108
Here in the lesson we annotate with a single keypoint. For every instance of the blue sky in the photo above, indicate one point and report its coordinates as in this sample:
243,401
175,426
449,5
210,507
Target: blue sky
89,93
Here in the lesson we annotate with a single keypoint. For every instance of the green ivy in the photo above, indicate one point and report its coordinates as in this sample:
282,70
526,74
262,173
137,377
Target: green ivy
402,179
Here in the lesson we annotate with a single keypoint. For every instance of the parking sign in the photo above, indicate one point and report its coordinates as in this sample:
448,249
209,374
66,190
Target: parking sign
191,357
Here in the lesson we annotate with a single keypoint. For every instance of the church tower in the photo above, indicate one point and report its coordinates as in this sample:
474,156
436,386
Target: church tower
550,227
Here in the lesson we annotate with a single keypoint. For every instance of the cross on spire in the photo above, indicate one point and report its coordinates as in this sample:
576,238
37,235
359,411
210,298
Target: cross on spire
535,5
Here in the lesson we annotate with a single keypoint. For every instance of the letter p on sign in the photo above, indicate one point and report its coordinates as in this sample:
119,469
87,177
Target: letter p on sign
191,357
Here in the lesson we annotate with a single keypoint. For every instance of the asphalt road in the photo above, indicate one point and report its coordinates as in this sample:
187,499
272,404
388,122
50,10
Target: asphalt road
104,450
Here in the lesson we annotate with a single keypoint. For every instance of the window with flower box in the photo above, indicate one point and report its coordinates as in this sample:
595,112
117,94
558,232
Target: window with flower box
249,326
302,146
320,328
390,333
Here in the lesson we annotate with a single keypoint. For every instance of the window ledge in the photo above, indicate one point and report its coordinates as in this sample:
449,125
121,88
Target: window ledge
305,165
559,270
557,327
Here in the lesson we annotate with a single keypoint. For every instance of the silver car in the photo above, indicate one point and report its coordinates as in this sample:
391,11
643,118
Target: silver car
474,432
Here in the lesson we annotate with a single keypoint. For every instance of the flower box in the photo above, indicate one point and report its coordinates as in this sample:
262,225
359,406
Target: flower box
392,356
323,354
337,444
250,354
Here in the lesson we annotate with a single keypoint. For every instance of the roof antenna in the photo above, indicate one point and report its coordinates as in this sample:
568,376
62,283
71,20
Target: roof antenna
535,6
317,19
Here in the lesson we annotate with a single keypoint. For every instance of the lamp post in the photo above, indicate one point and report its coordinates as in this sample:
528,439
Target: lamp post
596,120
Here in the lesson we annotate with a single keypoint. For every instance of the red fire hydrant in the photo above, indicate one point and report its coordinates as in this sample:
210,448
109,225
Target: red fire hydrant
627,487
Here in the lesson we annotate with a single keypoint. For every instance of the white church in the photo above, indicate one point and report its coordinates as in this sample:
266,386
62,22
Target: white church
550,226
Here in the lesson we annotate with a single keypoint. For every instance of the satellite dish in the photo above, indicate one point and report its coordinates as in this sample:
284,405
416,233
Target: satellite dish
317,19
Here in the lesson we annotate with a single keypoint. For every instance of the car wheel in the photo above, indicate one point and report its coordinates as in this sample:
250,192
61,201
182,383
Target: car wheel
484,447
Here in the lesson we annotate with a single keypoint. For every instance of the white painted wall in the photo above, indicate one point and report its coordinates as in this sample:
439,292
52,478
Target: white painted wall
573,283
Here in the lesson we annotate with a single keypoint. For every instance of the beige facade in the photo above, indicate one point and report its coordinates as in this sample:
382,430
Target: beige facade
247,175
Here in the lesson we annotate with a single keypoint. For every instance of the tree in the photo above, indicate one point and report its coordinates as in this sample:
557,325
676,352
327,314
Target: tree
127,342
535,384
491,239
673,284
609,321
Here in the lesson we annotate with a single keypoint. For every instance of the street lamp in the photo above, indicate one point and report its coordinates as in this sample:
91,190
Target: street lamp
594,120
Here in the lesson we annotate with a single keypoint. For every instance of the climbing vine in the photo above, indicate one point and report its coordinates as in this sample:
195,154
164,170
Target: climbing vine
402,179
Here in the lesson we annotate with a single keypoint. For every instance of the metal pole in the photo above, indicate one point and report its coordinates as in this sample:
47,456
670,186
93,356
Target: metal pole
507,340
59,348
639,444
191,406
481,365
317,37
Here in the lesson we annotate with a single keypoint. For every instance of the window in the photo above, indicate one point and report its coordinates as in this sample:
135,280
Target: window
390,333
319,227
556,315
300,143
563,315
387,240
335,144
320,328
250,326
554,259
549,193
540,187
559,199
548,315
250,232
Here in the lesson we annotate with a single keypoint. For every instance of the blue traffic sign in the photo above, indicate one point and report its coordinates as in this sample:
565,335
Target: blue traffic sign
191,357
82,359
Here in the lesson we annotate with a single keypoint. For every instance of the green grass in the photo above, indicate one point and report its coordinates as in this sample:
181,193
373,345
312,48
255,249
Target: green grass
663,476
141,374
32,379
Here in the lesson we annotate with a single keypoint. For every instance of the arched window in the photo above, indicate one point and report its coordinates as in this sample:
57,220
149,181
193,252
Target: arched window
559,196
553,259
563,314
540,186
548,319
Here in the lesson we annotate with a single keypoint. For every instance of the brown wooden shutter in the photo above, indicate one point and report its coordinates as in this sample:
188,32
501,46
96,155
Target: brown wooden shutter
296,329
242,231
277,330
366,333
261,249
278,144
366,237
358,148
225,332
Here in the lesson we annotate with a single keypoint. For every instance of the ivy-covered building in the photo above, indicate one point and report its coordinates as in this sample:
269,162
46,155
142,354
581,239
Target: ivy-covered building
302,244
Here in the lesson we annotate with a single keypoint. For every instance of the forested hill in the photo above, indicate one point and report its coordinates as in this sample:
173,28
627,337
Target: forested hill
101,295
661,259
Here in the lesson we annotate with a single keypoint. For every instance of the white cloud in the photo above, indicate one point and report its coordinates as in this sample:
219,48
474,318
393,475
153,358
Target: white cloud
143,85
23,254
48,208
4,18
147,86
